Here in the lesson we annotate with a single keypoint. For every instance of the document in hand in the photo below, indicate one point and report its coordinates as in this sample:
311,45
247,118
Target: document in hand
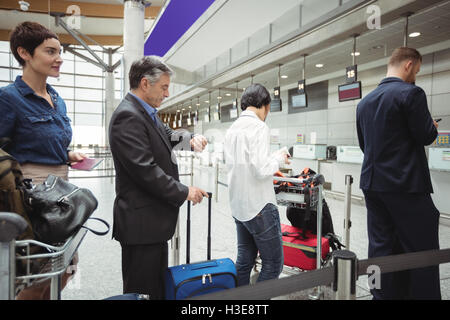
87,164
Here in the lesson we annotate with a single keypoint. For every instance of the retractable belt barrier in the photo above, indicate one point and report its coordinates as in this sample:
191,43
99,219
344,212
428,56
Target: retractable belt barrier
325,276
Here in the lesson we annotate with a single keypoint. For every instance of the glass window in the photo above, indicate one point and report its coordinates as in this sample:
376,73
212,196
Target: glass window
4,59
312,9
64,92
86,135
88,119
71,116
14,63
199,74
87,68
63,80
285,24
89,107
67,66
260,39
4,74
223,60
4,83
69,105
239,51
89,82
4,46
88,94
211,68
16,72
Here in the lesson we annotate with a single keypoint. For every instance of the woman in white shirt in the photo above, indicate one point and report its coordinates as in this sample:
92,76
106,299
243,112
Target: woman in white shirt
250,186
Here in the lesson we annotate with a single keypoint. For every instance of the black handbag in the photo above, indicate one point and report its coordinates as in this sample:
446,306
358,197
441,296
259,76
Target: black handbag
59,209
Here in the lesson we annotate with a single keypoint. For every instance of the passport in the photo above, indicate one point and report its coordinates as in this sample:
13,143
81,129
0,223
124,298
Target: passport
86,164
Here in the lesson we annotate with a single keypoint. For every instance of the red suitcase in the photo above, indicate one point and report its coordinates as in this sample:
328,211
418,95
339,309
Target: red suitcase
299,252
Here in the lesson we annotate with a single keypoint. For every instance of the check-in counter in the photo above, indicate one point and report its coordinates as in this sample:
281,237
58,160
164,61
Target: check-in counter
439,159
349,154
310,151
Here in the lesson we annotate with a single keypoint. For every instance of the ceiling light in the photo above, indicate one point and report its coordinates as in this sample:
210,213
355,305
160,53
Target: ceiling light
219,97
319,65
206,101
356,53
284,76
414,34
228,94
377,47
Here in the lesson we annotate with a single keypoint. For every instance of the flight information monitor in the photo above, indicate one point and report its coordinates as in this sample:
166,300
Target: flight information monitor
299,100
275,105
349,91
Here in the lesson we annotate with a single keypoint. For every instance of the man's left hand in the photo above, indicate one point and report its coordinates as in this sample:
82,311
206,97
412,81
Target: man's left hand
198,143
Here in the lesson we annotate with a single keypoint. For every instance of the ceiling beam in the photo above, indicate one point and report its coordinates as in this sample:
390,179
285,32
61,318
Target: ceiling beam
68,39
87,9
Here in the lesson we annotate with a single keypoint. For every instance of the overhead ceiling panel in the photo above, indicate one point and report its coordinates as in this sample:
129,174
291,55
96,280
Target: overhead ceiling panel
433,23
235,21
176,19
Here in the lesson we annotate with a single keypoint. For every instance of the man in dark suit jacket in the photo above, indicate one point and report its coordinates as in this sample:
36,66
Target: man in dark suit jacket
148,191
394,125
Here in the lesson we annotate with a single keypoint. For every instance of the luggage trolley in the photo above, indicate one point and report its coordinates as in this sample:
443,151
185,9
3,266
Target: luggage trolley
293,196
39,263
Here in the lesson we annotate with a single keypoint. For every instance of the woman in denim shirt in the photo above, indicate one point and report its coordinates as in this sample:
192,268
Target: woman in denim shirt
33,115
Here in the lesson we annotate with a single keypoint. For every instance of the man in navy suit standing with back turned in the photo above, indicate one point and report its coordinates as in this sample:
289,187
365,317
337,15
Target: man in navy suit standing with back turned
394,124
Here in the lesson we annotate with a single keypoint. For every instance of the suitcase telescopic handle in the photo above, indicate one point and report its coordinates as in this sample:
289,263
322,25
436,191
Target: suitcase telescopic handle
188,233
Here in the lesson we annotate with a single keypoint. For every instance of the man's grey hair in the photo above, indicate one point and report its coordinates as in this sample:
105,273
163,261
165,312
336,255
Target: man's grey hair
150,67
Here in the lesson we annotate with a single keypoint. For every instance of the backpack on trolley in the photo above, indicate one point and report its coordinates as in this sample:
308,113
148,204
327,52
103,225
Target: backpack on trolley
300,239
12,185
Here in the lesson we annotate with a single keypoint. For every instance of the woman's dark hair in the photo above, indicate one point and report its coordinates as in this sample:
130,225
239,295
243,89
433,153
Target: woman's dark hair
28,35
150,67
256,95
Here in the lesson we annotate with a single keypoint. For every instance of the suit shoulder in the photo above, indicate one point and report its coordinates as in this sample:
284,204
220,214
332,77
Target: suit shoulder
407,87
125,110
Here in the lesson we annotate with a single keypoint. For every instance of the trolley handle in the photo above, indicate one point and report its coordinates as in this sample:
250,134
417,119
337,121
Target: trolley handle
11,226
316,180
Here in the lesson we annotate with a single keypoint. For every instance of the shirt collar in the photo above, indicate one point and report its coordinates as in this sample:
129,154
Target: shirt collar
250,114
391,79
25,89
150,110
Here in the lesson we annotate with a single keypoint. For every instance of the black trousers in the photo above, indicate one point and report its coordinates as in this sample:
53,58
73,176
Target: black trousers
143,269
402,223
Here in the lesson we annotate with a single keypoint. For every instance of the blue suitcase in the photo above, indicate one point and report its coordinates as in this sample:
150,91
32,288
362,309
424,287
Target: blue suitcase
190,280
129,296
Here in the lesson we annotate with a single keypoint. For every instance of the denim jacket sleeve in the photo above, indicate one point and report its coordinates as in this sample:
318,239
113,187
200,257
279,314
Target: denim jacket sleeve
8,115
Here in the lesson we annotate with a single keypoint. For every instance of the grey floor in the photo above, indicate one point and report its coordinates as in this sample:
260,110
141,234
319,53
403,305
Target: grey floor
99,269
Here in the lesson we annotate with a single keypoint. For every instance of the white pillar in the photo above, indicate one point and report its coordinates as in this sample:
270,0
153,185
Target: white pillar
110,102
133,35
